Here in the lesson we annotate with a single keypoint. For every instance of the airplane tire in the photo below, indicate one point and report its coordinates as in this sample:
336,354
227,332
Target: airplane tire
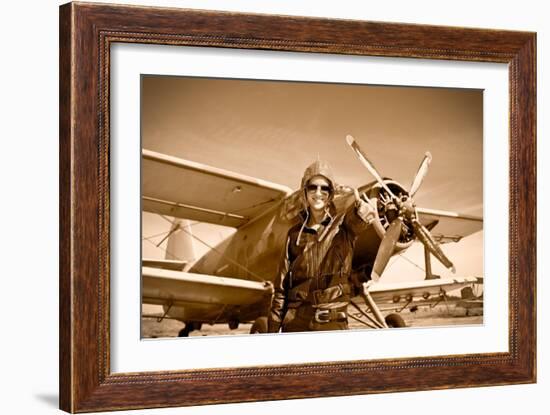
259,326
395,320
184,332
189,327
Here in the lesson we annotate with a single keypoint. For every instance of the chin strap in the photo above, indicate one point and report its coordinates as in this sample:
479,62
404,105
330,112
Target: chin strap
302,228
304,224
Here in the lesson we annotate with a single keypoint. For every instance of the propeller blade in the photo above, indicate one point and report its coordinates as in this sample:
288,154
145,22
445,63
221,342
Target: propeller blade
426,238
386,248
366,162
421,173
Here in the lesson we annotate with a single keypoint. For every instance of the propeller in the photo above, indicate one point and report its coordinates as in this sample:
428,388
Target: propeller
406,215
426,238
366,162
386,248
421,173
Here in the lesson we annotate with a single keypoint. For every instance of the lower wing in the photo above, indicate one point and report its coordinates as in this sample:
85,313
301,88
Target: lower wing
204,298
421,290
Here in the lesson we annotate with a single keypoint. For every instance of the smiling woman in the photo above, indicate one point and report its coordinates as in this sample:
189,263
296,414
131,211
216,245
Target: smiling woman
313,285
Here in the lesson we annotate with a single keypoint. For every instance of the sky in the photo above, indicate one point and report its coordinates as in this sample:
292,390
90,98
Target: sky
274,129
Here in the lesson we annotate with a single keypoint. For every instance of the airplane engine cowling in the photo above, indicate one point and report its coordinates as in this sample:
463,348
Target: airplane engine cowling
387,211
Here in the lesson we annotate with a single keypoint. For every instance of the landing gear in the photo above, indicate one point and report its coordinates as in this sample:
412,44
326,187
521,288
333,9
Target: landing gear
189,327
259,326
395,320
390,321
428,261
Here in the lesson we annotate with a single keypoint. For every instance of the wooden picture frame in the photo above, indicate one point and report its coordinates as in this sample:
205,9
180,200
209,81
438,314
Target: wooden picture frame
86,33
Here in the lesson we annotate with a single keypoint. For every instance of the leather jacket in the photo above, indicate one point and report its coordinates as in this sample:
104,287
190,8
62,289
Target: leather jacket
315,269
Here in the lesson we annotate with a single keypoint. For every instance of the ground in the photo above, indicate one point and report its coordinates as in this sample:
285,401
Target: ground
441,315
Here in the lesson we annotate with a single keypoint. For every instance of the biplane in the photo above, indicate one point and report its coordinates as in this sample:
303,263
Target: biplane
232,282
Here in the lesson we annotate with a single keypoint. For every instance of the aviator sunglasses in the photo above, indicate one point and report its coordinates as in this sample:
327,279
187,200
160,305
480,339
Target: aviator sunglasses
311,188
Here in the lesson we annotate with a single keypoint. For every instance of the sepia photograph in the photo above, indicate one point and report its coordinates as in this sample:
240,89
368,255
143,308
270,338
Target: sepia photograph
284,206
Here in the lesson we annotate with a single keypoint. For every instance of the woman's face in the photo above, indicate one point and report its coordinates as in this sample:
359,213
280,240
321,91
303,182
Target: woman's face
318,193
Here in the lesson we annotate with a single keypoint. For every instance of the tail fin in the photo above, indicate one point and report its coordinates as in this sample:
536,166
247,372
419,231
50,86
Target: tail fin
180,245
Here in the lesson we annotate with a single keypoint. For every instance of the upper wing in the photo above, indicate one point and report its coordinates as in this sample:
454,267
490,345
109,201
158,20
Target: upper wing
449,226
385,292
185,189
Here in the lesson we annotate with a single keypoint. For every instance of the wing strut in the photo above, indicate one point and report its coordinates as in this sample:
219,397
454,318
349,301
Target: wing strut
167,309
374,322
